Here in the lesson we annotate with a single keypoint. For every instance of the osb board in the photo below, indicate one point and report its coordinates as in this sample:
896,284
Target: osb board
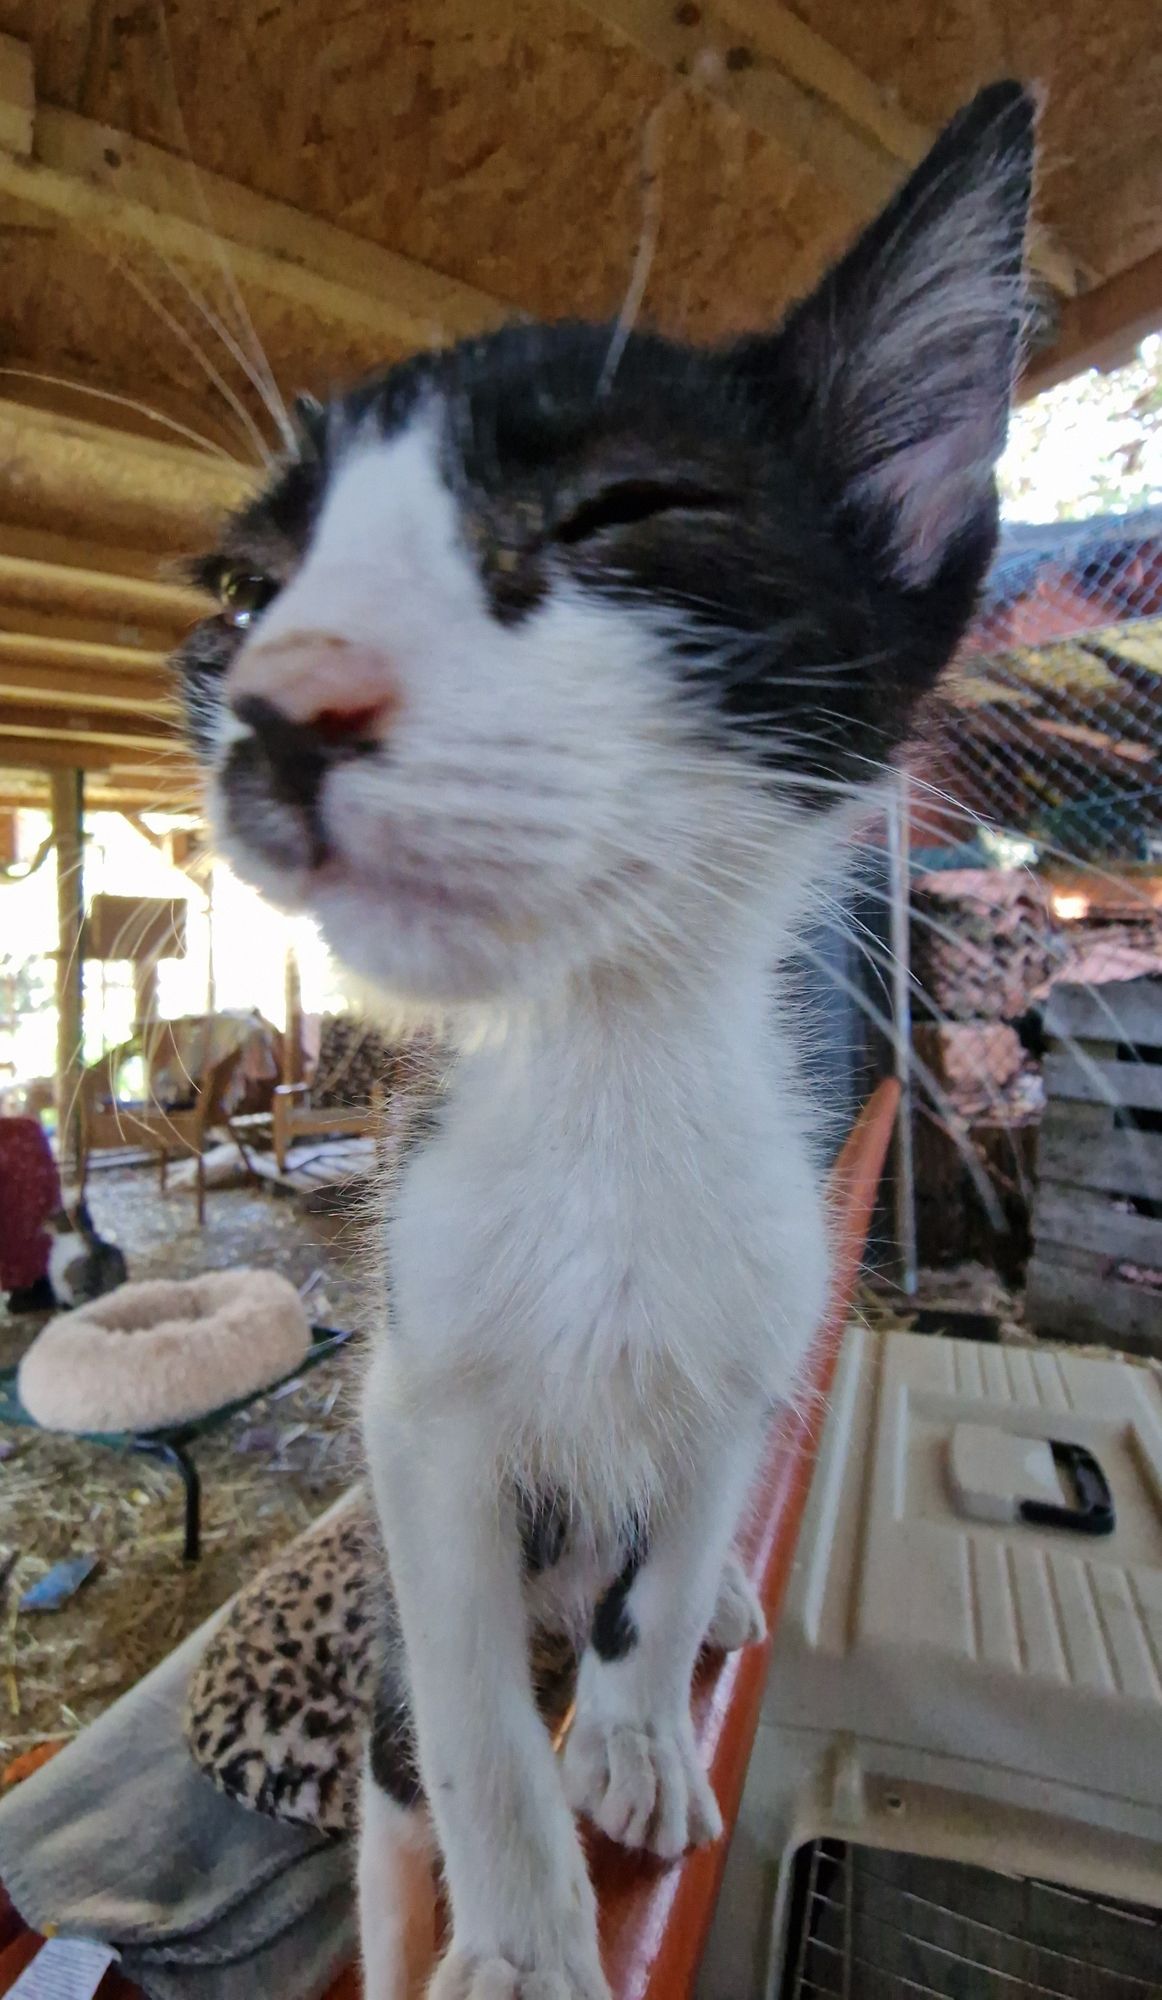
498,143
76,310
1101,175
499,139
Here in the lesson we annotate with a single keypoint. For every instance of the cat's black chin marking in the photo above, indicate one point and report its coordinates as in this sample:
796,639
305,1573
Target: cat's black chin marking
283,763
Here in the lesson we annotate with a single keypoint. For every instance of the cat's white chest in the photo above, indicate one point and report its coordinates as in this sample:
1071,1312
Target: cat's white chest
615,1251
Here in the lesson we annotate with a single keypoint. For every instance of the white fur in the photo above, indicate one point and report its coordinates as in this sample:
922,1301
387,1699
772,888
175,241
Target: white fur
610,1261
64,1252
397,1898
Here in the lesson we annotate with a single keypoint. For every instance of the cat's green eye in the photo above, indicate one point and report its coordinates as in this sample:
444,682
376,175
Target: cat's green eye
244,593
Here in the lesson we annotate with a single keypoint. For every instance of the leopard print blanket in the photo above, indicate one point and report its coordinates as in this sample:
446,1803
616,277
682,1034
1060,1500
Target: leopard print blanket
278,1705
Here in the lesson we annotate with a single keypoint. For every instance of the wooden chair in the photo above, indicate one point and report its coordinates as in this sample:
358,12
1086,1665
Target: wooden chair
294,1117
107,1124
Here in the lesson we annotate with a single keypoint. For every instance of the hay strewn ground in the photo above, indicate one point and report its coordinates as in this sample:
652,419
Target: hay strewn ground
264,1476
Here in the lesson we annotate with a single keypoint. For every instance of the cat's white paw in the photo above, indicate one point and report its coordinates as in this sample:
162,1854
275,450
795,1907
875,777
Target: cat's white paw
467,1976
643,1786
738,1616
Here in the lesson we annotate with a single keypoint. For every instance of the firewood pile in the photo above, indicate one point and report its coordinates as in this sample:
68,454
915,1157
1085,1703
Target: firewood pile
983,943
981,1069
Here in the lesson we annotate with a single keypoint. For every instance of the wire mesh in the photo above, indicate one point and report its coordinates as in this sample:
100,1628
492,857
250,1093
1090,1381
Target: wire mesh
1036,852
875,1925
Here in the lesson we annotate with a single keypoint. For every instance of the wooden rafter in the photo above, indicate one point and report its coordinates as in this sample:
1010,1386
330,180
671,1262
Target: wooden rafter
128,196
1102,328
28,585
73,687
38,749
80,553
88,725
61,629
63,474
22,649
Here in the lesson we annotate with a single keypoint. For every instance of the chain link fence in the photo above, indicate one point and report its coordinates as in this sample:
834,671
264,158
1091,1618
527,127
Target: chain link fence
1034,824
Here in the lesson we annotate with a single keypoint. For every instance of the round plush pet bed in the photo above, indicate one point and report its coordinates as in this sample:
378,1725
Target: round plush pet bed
163,1352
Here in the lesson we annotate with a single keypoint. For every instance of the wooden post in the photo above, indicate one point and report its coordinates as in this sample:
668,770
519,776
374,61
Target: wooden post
68,810
292,1043
145,995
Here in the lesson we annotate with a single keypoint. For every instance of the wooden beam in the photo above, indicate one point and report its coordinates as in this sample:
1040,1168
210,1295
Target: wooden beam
81,552
781,77
23,649
17,97
126,197
1102,328
68,688
154,197
86,725
100,795
60,629
34,753
63,474
68,809
57,587
38,750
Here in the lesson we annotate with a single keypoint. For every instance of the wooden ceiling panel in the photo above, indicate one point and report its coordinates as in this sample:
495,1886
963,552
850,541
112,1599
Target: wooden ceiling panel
1100,67
501,145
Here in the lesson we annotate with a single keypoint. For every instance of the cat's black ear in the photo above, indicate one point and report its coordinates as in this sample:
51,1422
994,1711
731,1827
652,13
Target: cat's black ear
897,372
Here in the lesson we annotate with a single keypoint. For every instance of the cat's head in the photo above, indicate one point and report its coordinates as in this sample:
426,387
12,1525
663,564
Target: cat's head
535,656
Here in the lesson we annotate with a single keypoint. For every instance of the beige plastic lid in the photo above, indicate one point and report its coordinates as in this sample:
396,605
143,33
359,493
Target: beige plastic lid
925,1612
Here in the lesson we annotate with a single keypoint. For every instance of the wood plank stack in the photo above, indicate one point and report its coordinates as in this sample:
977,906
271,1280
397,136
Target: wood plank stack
1096,1270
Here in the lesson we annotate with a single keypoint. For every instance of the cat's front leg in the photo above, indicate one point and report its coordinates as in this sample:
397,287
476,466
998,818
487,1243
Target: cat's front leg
631,1761
524,1924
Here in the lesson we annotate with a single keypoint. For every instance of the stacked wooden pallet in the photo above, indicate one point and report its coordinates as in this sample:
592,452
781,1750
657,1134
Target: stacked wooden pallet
1096,1270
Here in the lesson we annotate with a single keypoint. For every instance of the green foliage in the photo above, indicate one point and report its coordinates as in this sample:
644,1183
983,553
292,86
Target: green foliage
1089,446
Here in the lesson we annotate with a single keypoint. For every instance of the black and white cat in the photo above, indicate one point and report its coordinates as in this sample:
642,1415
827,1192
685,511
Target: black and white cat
82,1266
550,689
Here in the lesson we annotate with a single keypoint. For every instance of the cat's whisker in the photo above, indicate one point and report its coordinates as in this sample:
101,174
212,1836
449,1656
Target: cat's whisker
651,195
212,373
144,409
265,381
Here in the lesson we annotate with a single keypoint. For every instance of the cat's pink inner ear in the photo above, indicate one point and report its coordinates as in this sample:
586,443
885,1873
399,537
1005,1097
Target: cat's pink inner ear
904,358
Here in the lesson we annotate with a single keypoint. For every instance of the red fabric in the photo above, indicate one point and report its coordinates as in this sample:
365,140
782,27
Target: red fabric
30,1192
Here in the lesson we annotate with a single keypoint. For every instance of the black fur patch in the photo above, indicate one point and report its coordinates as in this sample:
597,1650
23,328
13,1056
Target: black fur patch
391,1744
543,1520
613,1633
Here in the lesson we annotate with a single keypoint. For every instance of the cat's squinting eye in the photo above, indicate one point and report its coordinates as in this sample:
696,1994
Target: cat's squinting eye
243,594
631,501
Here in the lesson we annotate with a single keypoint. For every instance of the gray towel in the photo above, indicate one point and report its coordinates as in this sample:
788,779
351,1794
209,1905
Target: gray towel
121,1838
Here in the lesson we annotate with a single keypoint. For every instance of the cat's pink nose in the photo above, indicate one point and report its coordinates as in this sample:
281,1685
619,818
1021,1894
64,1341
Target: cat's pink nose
338,688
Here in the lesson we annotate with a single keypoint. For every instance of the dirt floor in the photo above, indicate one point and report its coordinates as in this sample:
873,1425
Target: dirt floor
265,1475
